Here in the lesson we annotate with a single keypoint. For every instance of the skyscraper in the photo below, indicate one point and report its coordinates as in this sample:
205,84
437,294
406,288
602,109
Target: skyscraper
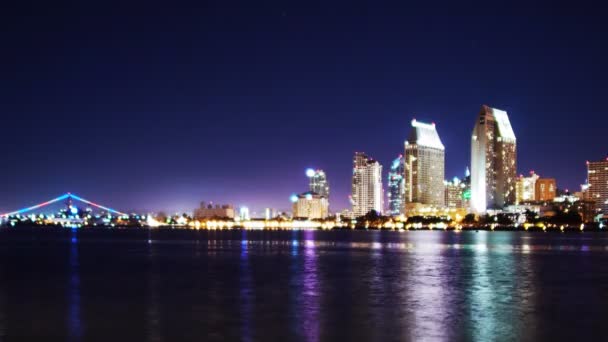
396,187
466,192
493,161
318,182
367,192
424,166
598,184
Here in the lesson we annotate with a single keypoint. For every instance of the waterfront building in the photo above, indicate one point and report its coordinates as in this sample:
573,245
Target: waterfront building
545,189
244,214
585,208
270,213
346,214
597,172
318,182
417,209
584,193
310,205
525,188
493,161
454,193
367,191
424,166
209,210
466,191
396,187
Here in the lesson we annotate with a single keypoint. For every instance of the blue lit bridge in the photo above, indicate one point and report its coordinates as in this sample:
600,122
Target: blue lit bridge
67,196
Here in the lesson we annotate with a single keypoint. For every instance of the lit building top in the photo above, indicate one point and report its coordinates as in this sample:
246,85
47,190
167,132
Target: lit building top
504,125
318,182
425,134
310,205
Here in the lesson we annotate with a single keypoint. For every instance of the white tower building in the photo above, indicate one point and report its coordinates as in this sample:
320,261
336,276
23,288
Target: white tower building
493,161
367,191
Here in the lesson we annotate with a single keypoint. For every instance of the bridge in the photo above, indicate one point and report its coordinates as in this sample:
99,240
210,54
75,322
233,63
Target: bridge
67,196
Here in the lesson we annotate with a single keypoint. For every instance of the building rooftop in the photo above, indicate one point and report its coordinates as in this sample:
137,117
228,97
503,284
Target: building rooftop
310,195
424,134
504,125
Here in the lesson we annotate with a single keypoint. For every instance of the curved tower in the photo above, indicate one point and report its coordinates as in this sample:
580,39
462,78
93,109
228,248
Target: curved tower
493,161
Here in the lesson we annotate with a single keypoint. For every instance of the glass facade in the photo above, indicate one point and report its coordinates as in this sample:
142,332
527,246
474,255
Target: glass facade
396,187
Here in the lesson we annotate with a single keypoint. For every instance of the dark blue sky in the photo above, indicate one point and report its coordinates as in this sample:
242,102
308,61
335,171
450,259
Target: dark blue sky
145,106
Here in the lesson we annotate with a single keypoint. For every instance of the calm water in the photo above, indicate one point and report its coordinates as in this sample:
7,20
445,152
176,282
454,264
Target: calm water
302,286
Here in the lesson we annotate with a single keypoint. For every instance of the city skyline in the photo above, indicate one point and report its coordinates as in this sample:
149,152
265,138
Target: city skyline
319,180
163,118
314,174
303,171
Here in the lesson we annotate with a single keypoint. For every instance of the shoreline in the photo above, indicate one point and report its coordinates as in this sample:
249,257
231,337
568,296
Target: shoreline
563,229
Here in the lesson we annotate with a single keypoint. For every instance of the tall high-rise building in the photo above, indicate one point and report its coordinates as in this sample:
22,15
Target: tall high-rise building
598,184
424,166
367,192
318,182
396,187
466,192
493,161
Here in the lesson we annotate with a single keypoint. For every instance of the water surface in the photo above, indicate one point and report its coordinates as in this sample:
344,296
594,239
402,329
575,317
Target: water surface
302,286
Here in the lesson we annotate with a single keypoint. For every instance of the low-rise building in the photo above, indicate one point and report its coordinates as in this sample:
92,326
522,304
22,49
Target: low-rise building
454,193
525,188
310,205
545,189
209,210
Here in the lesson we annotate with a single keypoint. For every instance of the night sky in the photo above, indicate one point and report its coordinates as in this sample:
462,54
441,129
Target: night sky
145,106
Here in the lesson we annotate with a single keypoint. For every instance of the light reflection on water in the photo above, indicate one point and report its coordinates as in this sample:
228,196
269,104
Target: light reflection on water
246,290
74,312
153,314
309,304
307,286
428,282
421,247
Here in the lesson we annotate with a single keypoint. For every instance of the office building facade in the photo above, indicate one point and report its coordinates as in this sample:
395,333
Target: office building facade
396,187
597,173
310,205
367,192
545,189
493,161
424,166
318,182
525,188
454,193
